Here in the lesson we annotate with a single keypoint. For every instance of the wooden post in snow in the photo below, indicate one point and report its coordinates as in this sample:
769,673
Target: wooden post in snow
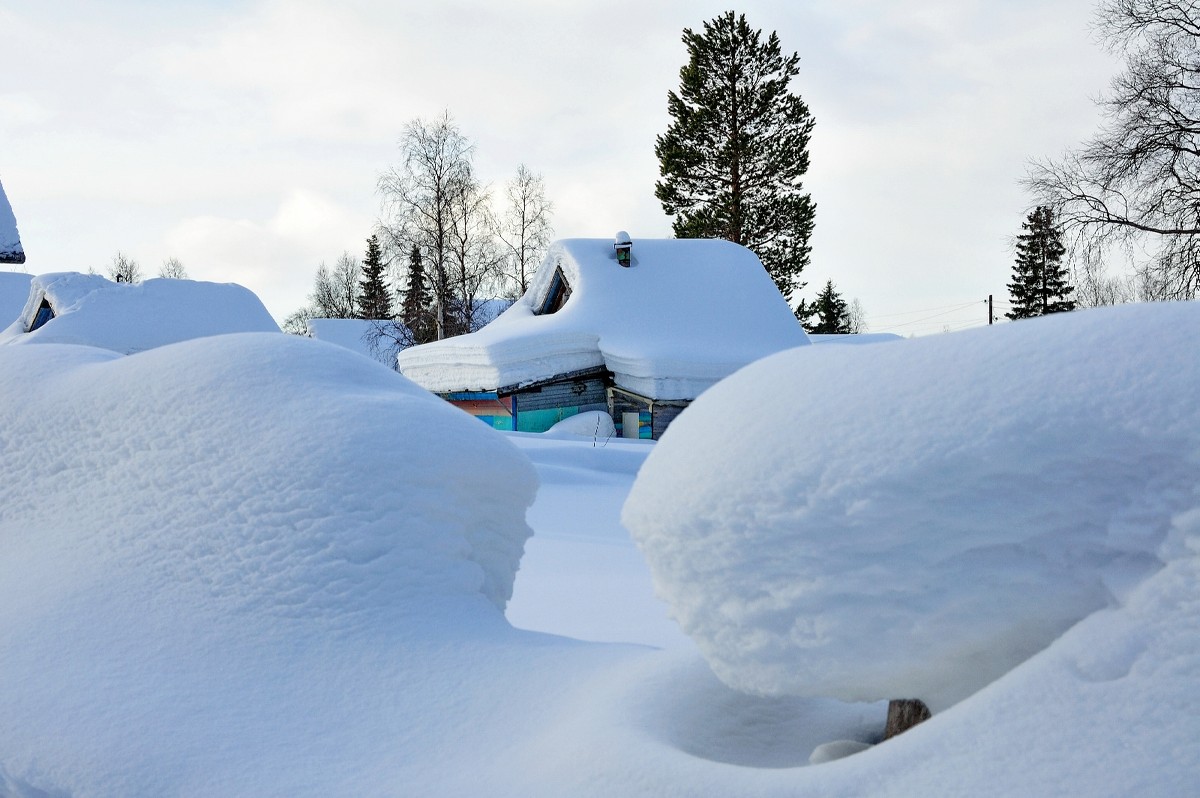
903,714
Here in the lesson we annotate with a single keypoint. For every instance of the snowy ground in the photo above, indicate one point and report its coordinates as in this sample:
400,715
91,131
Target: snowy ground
259,565
581,575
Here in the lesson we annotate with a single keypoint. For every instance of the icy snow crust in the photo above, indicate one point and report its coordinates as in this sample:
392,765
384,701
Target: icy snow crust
125,318
10,242
686,314
914,520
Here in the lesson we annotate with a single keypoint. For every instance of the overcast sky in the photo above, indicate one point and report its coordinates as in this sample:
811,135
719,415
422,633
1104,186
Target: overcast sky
246,138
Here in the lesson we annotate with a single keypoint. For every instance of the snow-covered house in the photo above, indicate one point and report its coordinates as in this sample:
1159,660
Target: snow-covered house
11,250
72,308
638,341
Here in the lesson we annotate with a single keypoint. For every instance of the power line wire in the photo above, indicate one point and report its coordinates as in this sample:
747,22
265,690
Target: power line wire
935,316
927,310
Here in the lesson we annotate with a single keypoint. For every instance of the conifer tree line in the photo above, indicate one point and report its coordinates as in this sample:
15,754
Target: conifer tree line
442,260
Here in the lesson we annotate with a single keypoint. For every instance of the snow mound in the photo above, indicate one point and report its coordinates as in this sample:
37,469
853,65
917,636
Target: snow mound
126,318
913,521
592,424
291,504
11,250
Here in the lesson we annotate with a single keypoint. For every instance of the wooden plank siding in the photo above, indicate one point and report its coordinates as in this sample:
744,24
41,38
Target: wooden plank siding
661,412
535,407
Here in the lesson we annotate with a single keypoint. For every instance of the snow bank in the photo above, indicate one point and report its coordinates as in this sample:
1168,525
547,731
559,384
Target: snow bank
915,520
293,496
125,318
218,553
11,250
255,565
593,424
685,314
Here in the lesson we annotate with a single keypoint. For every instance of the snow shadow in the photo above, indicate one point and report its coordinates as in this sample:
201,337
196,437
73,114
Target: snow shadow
700,716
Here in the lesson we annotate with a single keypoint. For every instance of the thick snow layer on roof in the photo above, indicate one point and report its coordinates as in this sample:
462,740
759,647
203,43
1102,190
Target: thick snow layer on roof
685,314
11,250
14,293
357,335
915,520
93,311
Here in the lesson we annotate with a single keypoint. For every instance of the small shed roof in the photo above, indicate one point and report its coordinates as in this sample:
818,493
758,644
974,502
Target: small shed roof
126,318
687,313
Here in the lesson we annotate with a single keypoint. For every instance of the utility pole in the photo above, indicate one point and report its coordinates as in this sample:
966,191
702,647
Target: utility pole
990,316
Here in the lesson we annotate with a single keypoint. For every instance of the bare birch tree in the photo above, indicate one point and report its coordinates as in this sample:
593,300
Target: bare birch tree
523,228
476,262
335,291
124,270
1135,187
420,197
172,269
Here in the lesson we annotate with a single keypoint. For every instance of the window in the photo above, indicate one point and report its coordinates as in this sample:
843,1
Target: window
557,296
43,315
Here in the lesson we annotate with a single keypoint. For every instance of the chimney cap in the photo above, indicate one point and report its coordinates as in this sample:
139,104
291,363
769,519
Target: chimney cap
622,239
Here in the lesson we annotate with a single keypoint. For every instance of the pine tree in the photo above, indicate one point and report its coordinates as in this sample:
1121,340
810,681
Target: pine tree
374,300
1039,283
831,311
416,311
734,154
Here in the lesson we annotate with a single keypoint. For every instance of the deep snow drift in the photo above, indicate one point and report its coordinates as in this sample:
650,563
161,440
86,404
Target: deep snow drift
200,541
261,565
125,318
938,510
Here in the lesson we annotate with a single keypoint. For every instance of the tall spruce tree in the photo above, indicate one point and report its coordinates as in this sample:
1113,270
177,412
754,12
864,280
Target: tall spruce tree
416,311
734,154
832,312
1039,283
374,299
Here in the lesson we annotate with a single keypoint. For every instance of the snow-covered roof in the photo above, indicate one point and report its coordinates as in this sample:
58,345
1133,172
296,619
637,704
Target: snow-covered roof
91,310
11,250
14,291
685,314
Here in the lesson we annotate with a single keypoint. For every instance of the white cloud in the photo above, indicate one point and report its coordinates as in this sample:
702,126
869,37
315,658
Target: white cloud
197,125
273,257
